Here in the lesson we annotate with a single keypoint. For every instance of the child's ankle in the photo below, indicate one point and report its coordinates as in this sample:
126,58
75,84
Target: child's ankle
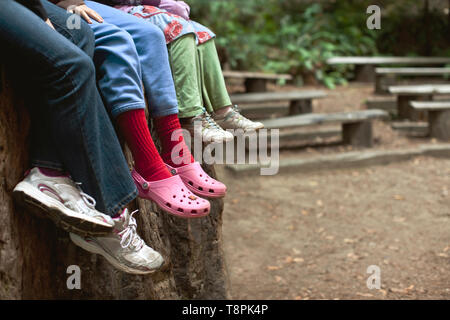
178,161
52,172
222,111
154,174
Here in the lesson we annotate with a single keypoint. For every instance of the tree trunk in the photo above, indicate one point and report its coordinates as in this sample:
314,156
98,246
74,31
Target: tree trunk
426,12
35,255
448,20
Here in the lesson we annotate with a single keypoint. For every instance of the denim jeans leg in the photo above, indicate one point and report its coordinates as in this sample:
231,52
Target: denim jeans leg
80,128
42,150
151,48
118,69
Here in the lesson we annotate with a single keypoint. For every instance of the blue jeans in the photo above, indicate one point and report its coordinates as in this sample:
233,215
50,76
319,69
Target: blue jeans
70,127
129,53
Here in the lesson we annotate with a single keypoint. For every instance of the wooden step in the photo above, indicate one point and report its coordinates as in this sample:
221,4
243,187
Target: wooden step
388,104
430,105
413,71
312,119
438,117
388,60
256,75
411,127
277,96
298,138
264,111
426,89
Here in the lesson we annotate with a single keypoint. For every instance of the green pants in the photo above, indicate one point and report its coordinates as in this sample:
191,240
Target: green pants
198,77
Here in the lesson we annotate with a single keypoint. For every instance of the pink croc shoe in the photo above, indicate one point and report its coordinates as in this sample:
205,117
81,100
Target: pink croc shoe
172,196
198,181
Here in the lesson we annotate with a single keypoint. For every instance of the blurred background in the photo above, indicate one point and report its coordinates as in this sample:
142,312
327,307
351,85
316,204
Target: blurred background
311,231
298,36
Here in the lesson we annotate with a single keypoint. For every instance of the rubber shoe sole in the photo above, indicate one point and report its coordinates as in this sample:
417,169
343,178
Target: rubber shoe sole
61,216
96,249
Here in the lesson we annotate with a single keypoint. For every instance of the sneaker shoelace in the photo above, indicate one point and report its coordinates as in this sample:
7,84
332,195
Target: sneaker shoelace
235,115
209,122
129,234
88,202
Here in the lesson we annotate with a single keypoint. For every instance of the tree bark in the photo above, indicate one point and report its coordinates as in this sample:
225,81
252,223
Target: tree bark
35,255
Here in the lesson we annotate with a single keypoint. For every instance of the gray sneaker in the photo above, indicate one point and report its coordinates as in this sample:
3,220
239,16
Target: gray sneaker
61,200
123,247
234,120
207,128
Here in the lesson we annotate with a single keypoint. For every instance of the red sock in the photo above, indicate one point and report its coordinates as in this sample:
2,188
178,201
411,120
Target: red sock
166,126
147,161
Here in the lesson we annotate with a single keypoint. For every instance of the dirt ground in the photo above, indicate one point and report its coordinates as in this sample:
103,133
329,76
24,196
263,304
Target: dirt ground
313,236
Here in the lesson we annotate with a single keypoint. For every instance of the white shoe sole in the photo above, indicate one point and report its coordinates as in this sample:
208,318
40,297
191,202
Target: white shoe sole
224,139
247,130
212,139
46,207
94,248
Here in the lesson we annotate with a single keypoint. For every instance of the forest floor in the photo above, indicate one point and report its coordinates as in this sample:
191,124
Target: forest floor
314,235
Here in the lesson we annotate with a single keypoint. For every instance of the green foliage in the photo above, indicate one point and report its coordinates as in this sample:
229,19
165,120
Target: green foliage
425,34
316,33
298,36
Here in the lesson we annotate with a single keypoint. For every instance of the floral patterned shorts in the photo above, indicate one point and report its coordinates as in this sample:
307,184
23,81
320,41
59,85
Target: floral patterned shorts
172,25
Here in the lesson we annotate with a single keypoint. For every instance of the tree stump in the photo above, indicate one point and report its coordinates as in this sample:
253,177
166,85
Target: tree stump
35,255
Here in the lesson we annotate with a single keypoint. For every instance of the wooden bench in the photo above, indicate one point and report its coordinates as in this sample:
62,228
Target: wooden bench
386,103
255,81
356,125
299,101
438,117
386,77
365,66
406,94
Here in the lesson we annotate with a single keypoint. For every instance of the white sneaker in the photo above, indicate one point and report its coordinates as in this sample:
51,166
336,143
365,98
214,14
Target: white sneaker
234,120
204,126
123,247
61,200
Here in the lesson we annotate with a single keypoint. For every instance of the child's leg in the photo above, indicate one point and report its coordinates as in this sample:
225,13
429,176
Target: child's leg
181,161
118,73
185,67
186,70
151,176
215,94
77,127
147,161
151,49
171,137
214,90
119,68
